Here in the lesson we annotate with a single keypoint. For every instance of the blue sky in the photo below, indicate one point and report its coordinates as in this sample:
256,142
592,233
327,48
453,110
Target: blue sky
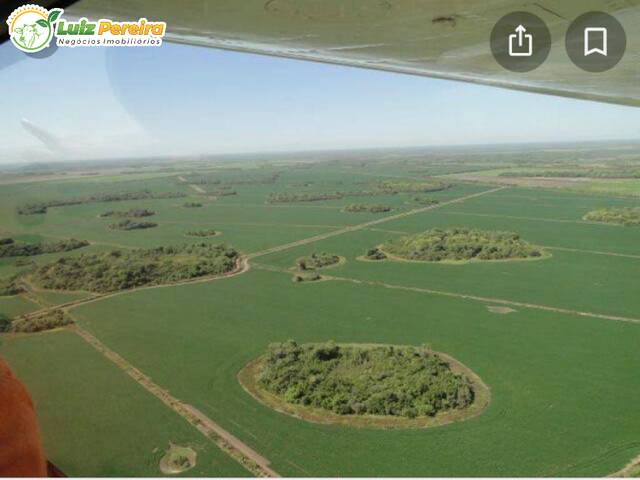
188,100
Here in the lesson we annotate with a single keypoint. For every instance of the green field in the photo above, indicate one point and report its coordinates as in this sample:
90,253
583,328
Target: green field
561,367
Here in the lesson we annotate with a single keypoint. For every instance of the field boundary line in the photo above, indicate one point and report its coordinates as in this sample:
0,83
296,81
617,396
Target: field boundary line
464,296
361,226
535,219
593,252
227,442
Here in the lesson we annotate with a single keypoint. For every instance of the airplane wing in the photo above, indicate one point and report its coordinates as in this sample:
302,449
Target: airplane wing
435,38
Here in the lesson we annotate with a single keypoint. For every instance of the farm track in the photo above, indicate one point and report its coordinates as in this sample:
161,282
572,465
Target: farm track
464,296
361,226
534,219
242,453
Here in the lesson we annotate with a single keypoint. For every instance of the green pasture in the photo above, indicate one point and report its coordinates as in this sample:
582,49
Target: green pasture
564,386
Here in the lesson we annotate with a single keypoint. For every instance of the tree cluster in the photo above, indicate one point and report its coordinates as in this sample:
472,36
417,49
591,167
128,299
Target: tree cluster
21,249
317,260
629,216
576,173
48,321
461,244
131,213
128,224
364,208
9,286
364,380
120,270
375,254
283,197
425,201
202,233
42,207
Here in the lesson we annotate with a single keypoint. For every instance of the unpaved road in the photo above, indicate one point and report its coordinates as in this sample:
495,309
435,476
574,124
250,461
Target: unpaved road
361,226
210,429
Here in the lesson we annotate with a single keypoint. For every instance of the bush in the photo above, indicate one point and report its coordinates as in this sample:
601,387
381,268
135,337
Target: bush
461,244
361,380
192,205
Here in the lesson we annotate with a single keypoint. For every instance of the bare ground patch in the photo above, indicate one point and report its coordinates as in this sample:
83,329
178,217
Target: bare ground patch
500,310
177,459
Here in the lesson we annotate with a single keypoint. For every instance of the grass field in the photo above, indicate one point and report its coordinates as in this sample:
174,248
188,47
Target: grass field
561,367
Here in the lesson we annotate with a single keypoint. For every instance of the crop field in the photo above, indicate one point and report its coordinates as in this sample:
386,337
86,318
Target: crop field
554,338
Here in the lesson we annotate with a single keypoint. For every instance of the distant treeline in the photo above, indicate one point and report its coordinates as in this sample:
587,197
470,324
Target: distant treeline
629,216
364,208
213,180
42,207
133,213
132,225
302,197
381,188
202,233
425,201
11,248
121,270
579,173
